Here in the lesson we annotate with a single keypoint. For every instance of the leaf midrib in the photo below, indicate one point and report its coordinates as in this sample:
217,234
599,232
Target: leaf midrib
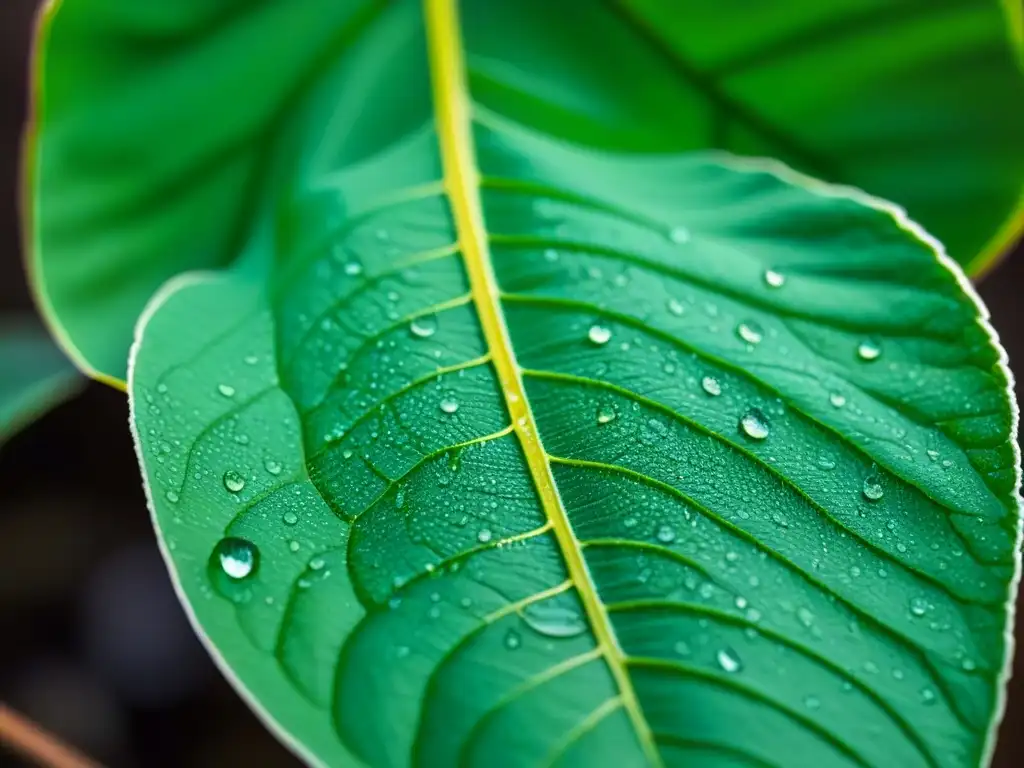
462,186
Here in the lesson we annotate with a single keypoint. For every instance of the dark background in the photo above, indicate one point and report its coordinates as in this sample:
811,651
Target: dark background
93,643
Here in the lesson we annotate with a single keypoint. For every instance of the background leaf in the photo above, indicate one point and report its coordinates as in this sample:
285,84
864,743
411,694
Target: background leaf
153,123
34,374
589,458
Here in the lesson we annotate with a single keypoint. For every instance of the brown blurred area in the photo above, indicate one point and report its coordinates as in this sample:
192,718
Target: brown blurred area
93,643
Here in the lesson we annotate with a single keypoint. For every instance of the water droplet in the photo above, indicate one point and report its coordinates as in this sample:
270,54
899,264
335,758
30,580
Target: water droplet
927,696
449,406
774,279
919,606
675,307
837,400
290,518
968,665
172,496
273,467
353,268
750,332
679,235
552,619
423,327
824,462
293,546
868,350
513,640
599,334
711,386
238,558
484,535
812,702
728,660
226,389
666,534
605,414
233,481
872,489
805,616
682,648
754,424
316,564
550,254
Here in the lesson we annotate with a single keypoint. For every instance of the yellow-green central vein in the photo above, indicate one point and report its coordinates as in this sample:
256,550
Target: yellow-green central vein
462,185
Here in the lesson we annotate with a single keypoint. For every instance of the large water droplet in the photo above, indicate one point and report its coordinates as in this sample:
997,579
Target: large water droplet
728,660
238,558
755,424
233,481
774,279
869,350
711,386
423,327
552,619
599,334
872,489
605,414
750,332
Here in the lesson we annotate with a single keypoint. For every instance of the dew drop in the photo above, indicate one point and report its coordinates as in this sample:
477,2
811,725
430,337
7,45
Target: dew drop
681,647
837,400
605,414
927,696
353,268
774,279
423,327
872,489
710,385
171,496
484,535
293,546
675,307
233,481
666,534
599,334
824,462
868,350
918,606
679,235
272,466
750,332
449,406
754,424
238,558
513,640
728,660
290,518
226,389
812,702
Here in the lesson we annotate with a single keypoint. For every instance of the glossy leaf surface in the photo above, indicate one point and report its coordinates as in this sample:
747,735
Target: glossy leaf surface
498,448
154,121
34,375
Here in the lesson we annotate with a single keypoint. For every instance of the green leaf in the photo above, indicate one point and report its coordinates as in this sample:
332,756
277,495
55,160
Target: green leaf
34,375
154,124
497,448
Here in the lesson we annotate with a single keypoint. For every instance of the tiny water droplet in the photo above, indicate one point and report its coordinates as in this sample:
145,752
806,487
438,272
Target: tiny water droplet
837,400
666,534
605,414
681,647
774,279
599,334
353,268
868,350
824,462
484,535
233,481
449,406
755,424
675,307
918,606
550,254
226,389
513,640
927,696
423,327
728,660
293,546
238,558
273,467
679,235
172,496
290,518
711,386
812,702
750,332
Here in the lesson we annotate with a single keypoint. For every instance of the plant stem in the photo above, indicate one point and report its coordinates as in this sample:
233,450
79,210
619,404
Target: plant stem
22,735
